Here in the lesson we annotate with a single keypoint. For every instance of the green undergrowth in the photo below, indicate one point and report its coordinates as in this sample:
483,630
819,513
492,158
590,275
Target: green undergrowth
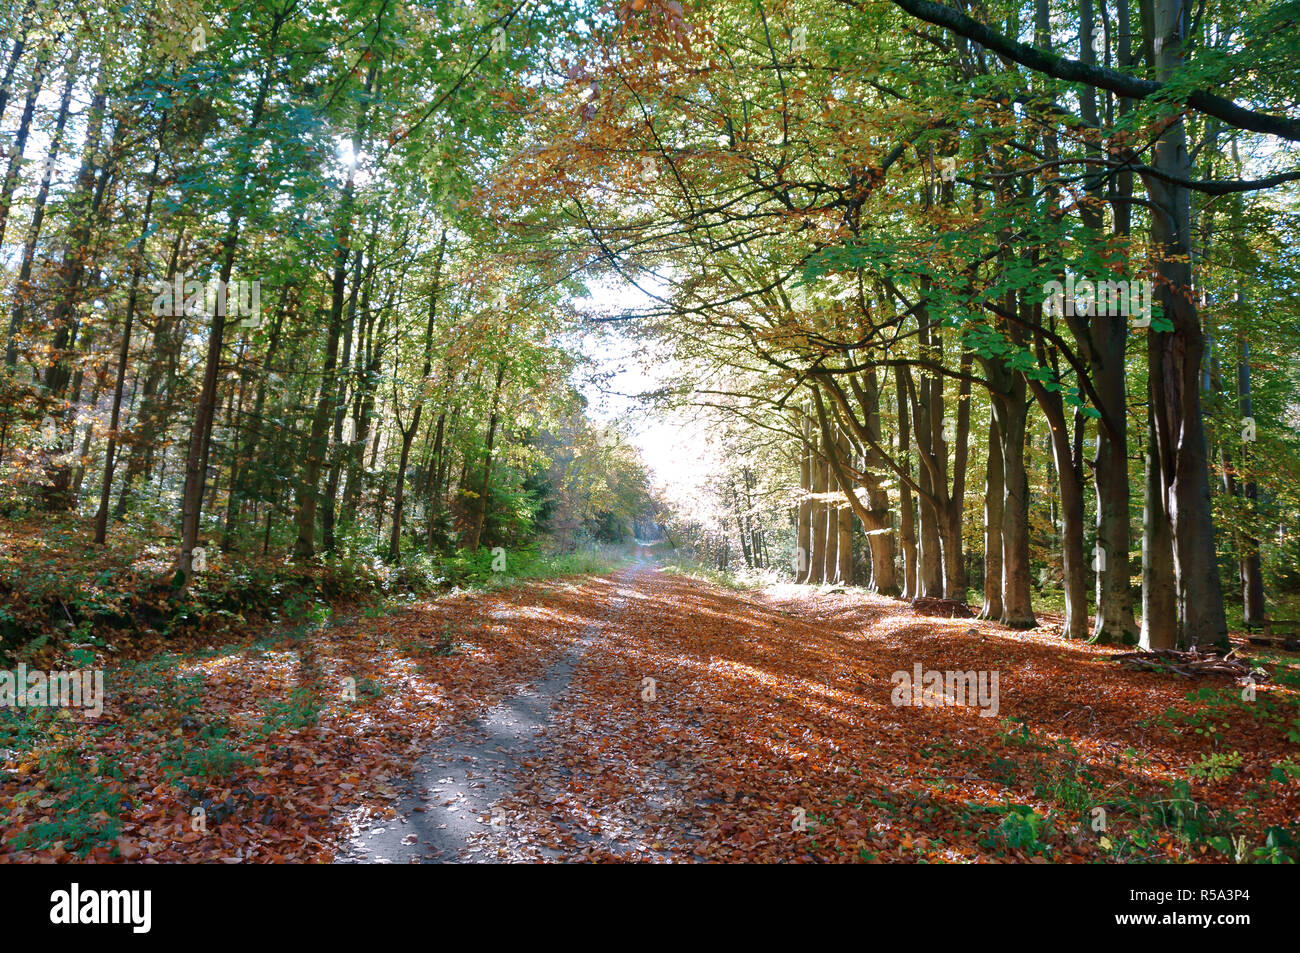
738,579
63,598
1059,805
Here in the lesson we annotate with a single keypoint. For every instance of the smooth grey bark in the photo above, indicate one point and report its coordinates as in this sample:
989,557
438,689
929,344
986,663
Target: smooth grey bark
993,490
1070,488
844,550
1104,341
929,549
1159,626
1012,414
1249,571
817,518
803,552
906,508
1179,431
831,556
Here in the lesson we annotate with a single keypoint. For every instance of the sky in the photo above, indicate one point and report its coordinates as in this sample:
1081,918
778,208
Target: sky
677,450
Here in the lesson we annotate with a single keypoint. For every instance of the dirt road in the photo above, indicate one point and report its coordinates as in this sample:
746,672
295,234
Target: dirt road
686,723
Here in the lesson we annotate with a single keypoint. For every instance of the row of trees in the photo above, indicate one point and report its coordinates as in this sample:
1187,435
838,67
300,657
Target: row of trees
253,292
298,272
853,218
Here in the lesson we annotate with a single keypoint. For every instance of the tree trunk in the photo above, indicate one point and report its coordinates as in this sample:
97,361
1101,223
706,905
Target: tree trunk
1248,563
930,555
399,492
16,53
165,348
953,513
22,287
1074,577
817,551
92,180
844,547
993,491
1012,411
342,450
1114,622
1159,628
20,139
1179,433
803,527
201,431
123,355
906,508
480,510
830,571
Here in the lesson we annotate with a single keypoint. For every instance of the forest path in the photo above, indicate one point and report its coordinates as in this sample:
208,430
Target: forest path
600,756
686,722
450,798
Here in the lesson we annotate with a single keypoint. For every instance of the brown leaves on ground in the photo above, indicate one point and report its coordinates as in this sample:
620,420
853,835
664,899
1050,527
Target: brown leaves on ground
778,708
265,741
768,733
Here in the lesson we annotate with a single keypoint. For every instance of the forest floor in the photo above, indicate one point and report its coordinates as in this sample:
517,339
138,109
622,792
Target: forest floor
520,725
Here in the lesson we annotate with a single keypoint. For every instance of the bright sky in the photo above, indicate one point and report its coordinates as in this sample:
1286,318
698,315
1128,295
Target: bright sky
677,450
